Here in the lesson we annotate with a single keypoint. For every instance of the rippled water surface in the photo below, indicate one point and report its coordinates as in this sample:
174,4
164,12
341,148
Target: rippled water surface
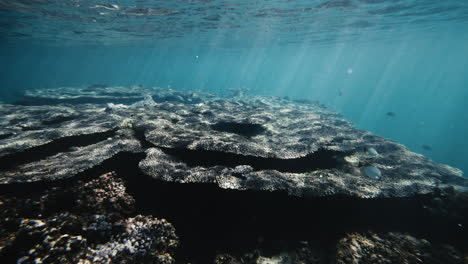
225,22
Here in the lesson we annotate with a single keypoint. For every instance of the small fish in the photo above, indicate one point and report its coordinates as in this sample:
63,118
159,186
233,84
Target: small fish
392,114
340,93
426,147
371,151
372,171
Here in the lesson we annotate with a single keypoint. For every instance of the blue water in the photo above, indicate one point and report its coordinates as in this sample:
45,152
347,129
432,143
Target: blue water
362,58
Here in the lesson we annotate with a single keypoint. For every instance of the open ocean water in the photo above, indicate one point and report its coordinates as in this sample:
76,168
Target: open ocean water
396,68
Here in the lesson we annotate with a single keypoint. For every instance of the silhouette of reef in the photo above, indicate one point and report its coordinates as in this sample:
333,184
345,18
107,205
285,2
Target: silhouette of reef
249,179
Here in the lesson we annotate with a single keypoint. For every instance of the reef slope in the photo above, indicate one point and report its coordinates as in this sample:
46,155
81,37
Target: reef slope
218,164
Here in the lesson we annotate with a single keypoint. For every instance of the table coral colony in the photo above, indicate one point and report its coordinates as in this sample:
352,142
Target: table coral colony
190,176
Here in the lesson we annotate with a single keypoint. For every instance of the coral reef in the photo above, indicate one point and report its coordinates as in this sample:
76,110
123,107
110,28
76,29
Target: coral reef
249,179
86,222
301,148
393,248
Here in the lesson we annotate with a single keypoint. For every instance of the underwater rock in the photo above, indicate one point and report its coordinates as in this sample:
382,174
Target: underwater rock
85,222
298,148
102,94
145,240
62,157
32,126
373,248
231,176
292,132
362,248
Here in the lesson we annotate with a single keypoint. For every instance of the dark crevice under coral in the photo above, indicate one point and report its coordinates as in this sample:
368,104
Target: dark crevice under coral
321,159
55,146
7,135
244,129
